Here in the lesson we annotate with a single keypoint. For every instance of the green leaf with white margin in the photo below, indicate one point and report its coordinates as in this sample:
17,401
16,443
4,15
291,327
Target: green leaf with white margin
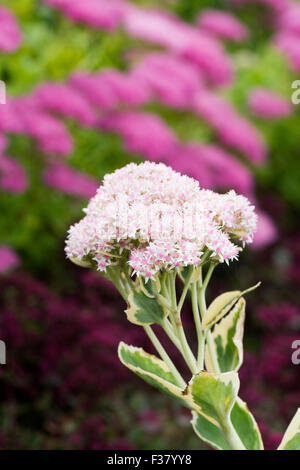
222,305
208,432
151,369
246,426
228,340
242,421
291,438
213,395
143,308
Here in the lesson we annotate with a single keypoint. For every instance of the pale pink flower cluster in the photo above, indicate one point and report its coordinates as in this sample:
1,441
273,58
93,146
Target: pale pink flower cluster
155,218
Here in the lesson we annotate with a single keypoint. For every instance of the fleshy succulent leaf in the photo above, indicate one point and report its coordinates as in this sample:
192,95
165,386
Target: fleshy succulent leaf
228,339
151,369
291,438
213,395
143,308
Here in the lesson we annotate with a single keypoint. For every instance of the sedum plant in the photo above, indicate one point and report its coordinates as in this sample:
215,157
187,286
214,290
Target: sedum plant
158,237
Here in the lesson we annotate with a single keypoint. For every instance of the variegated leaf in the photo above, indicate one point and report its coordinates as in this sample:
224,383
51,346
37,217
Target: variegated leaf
243,422
228,340
291,438
219,307
151,369
208,432
143,308
213,395
222,305
246,426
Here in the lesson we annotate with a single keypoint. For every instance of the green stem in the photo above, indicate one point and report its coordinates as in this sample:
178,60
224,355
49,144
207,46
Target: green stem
186,350
197,320
231,436
202,307
164,355
185,290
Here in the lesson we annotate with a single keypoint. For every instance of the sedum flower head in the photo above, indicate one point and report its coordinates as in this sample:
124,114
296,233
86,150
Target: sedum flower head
152,218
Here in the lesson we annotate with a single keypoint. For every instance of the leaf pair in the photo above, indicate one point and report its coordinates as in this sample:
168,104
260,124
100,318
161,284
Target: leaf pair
216,403
211,397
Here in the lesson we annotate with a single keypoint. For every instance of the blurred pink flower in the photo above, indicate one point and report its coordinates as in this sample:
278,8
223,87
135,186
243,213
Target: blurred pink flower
49,132
10,34
10,118
8,259
157,68
127,89
266,231
70,181
180,38
98,94
213,167
143,133
61,98
231,128
96,13
289,44
289,21
266,104
12,175
223,25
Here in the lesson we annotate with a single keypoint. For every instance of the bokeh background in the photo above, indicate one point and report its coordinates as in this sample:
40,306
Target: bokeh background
202,85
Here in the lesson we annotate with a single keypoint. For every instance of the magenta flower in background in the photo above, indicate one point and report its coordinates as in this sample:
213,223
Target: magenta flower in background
96,13
213,167
266,231
278,316
289,44
143,133
12,176
100,95
62,99
223,25
10,118
8,259
10,34
183,40
127,89
70,181
49,132
268,105
232,129
289,21
156,69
